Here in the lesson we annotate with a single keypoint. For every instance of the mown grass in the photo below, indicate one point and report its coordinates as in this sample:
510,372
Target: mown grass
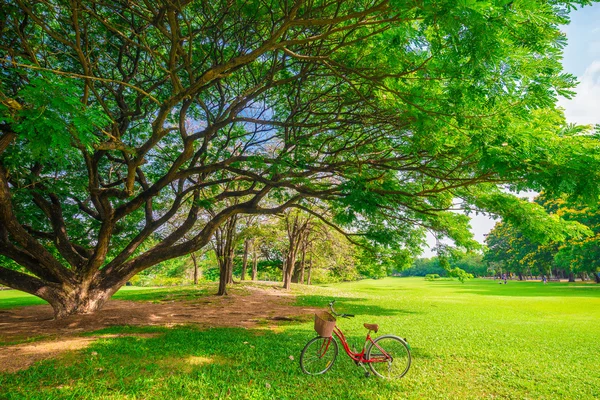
474,340
14,298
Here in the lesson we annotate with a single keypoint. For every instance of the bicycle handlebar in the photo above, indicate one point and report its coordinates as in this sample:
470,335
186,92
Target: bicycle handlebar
336,314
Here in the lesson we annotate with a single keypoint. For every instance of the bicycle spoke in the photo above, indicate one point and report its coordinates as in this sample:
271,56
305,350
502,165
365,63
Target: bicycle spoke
390,357
318,355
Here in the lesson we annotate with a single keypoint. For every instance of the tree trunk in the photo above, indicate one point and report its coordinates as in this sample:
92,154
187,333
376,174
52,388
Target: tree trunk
597,277
254,263
245,260
288,270
302,263
224,248
571,277
193,255
230,268
80,300
222,282
310,264
520,276
297,229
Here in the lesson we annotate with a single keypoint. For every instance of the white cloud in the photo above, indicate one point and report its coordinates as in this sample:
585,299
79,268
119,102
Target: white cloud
584,108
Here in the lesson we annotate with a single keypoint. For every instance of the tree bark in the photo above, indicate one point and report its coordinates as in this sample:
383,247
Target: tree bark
254,262
224,248
302,264
310,265
288,269
297,229
245,259
230,267
571,276
193,255
82,299
222,291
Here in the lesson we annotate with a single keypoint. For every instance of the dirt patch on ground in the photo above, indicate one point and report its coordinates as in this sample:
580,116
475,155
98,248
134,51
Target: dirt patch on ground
260,305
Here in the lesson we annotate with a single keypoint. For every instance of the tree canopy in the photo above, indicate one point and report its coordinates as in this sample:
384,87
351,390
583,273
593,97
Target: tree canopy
123,122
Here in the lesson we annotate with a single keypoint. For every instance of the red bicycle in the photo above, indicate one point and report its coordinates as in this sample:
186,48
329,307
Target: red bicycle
388,356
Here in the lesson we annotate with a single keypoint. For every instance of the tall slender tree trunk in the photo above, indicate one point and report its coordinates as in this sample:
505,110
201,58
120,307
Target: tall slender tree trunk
245,259
195,261
310,265
230,267
254,261
302,264
288,271
225,248
297,229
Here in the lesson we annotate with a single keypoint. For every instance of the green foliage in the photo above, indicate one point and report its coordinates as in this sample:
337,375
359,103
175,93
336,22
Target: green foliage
431,277
460,274
510,247
168,273
459,265
532,219
52,119
423,267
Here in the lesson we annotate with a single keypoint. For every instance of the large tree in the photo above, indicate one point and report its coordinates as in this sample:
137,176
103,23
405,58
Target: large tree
118,116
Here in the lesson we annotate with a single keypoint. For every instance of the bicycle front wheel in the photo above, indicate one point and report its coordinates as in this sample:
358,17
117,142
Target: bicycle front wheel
318,355
389,357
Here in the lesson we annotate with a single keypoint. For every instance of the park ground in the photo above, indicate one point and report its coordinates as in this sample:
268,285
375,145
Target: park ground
480,339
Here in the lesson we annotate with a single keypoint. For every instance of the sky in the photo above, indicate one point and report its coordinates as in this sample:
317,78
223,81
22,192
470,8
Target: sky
582,59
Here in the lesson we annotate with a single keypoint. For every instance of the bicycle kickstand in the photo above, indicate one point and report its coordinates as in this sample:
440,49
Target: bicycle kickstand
367,373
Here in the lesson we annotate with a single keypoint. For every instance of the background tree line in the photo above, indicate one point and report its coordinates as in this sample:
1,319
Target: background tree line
511,250
293,246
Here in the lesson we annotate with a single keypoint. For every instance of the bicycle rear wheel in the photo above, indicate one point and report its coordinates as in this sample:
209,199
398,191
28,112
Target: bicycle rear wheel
318,355
390,356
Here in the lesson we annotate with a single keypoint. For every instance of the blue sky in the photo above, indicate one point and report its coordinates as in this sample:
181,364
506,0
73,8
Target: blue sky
582,59
583,34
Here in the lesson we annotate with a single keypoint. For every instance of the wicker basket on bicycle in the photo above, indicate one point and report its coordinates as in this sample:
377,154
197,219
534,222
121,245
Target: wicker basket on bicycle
324,324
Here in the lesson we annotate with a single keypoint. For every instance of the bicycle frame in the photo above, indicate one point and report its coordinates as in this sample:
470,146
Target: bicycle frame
357,357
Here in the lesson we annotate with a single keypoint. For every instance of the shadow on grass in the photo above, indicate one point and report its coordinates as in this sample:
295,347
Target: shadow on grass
348,305
186,362
523,288
163,294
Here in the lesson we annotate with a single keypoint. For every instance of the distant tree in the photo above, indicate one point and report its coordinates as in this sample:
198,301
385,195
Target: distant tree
471,263
509,250
514,251
424,266
578,255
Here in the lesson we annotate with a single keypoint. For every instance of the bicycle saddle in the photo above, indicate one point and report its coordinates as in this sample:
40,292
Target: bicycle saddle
372,327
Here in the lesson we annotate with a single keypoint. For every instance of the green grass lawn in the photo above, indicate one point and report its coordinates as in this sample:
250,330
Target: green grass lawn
474,340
